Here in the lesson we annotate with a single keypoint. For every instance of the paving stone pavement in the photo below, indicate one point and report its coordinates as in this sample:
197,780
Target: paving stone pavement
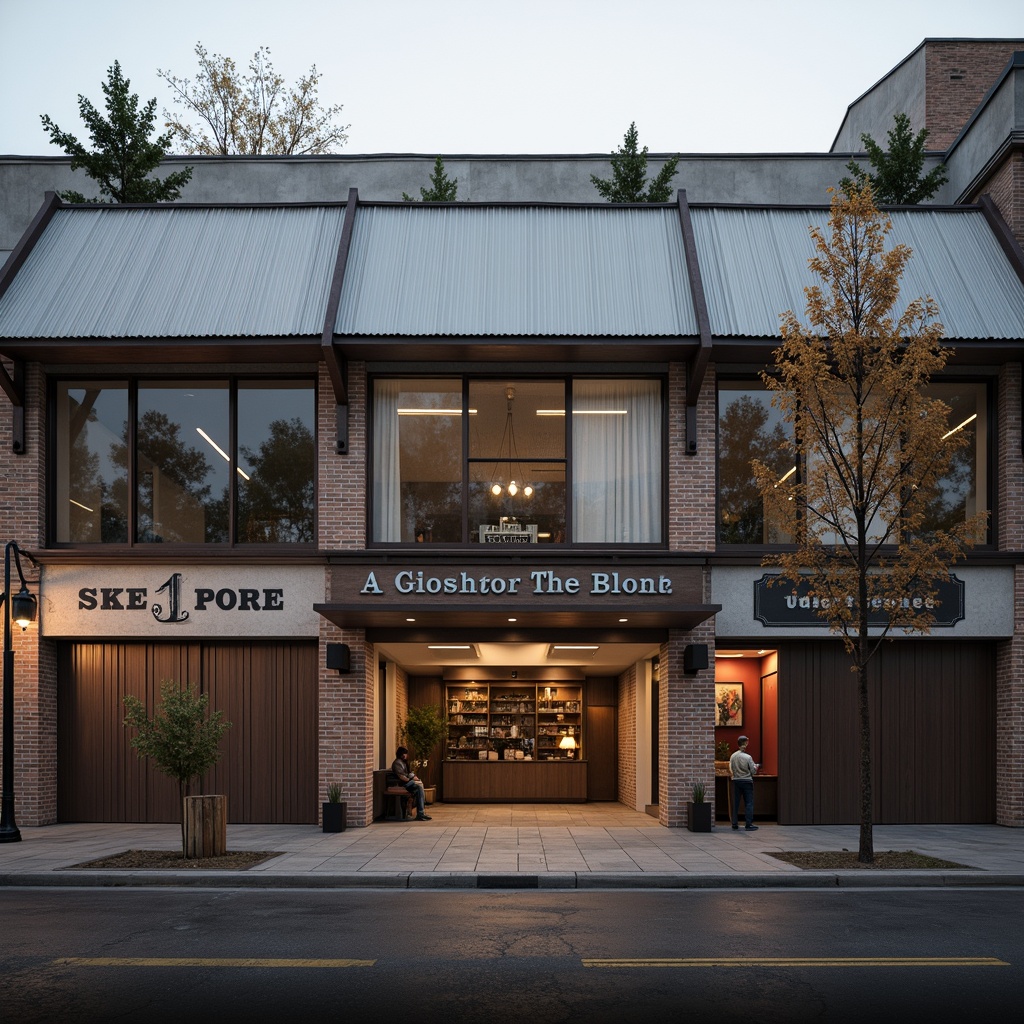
519,846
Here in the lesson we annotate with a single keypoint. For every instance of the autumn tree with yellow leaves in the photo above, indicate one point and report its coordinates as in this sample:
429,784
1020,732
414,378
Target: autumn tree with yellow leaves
228,110
871,449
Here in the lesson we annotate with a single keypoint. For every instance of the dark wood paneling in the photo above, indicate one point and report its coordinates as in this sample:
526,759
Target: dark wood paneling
601,690
933,733
509,782
267,691
601,750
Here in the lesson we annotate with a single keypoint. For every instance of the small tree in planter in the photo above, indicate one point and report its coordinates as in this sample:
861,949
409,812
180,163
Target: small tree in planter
422,730
181,738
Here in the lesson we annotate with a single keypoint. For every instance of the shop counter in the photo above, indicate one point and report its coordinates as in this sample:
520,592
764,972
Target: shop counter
559,781
766,798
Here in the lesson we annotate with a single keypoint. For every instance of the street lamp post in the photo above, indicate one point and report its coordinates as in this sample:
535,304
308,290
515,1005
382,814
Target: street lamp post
19,608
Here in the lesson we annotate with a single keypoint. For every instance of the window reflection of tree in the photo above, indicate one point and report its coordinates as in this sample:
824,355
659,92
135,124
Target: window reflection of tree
275,505
98,506
744,435
172,493
431,449
953,498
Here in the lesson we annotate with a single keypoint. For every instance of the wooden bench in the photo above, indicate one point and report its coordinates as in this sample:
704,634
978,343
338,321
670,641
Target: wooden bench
395,796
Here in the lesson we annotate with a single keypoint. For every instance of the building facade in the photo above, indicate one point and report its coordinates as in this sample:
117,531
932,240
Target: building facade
330,460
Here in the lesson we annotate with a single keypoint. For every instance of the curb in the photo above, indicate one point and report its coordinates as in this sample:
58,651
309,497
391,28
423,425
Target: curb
549,880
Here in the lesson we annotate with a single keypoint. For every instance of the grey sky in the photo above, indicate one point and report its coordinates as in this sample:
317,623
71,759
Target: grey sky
489,76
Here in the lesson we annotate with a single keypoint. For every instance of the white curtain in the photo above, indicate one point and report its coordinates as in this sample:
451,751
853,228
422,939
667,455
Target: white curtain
617,462
387,468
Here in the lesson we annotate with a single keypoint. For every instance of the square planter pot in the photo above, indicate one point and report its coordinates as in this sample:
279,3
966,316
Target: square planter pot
335,816
698,817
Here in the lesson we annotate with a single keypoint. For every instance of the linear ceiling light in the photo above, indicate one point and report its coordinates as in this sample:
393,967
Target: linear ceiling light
583,412
950,433
220,451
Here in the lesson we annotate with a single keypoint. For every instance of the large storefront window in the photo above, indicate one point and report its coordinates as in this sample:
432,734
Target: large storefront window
206,462
750,428
485,461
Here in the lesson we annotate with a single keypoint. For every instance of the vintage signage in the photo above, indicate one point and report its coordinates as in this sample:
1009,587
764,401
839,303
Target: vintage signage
785,605
163,601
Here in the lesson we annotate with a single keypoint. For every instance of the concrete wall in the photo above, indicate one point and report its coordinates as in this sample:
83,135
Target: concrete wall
727,178
901,91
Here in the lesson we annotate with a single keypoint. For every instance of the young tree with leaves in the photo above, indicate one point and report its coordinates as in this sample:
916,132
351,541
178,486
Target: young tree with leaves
897,180
628,183
871,446
442,188
251,112
123,155
181,738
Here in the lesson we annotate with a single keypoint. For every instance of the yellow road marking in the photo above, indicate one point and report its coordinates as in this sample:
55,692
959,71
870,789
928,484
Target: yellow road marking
198,961
806,961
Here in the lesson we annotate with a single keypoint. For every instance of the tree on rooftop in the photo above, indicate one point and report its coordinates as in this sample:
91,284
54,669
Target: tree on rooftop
123,155
229,111
628,183
872,448
442,188
898,178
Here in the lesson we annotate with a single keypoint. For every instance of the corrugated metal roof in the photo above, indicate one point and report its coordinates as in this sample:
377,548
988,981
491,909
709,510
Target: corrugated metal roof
531,271
176,272
753,263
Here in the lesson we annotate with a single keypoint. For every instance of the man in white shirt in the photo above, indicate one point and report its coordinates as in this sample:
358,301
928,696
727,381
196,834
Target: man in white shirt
742,769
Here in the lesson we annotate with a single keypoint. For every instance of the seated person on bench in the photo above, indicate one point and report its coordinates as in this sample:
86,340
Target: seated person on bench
412,782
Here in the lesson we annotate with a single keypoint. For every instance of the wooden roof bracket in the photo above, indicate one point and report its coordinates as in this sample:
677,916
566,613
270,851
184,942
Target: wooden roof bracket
1014,253
13,384
698,362
13,381
334,356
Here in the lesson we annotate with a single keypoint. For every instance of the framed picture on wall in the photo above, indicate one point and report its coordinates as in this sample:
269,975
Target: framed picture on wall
729,704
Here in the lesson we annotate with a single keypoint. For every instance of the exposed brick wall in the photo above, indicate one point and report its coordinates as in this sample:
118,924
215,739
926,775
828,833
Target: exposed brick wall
1006,188
958,74
341,481
346,722
626,713
22,510
686,726
691,478
1010,653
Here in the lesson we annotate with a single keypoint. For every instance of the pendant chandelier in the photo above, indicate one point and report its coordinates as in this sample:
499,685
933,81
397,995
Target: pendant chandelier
508,443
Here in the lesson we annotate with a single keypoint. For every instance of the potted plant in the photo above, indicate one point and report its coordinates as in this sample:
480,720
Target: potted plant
335,811
698,810
423,729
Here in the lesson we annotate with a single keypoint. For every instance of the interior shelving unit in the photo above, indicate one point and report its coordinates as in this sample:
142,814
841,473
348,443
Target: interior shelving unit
514,722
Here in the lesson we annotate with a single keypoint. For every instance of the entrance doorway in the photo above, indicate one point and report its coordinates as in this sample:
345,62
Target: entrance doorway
747,704
526,722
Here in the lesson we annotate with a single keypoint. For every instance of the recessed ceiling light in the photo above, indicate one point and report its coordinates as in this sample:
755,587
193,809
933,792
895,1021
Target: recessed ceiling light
449,647
623,620
719,654
513,620
410,620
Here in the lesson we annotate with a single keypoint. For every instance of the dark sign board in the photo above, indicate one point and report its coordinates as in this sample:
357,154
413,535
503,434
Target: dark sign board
788,605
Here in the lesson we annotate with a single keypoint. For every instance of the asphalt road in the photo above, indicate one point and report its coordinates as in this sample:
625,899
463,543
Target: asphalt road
189,955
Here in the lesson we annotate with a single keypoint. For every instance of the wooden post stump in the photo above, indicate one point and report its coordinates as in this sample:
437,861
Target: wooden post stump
206,826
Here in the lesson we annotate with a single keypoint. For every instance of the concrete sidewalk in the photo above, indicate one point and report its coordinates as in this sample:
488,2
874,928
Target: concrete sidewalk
519,846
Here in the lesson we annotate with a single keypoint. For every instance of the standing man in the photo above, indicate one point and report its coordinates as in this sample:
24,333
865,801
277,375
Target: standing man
408,778
742,769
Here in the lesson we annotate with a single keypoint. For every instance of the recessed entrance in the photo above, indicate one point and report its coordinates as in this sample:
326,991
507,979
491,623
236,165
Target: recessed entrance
552,721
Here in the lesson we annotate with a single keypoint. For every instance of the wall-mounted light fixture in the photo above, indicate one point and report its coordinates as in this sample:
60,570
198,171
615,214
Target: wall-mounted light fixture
695,657
19,608
339,657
